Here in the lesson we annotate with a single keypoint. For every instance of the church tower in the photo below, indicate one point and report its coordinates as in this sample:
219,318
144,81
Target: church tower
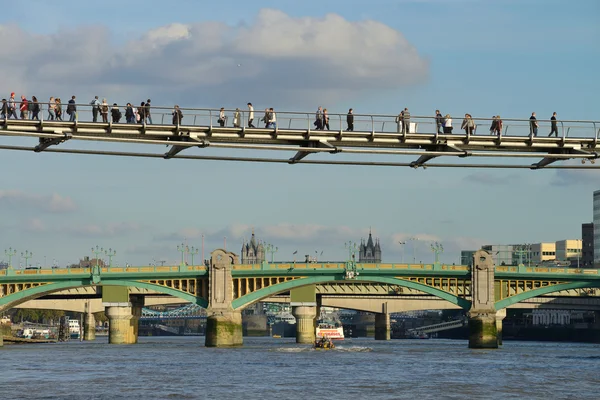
369,252
253,252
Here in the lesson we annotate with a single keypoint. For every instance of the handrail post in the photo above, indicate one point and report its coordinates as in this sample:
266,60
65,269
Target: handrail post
562,128
308,122
210,124
194,119
372,125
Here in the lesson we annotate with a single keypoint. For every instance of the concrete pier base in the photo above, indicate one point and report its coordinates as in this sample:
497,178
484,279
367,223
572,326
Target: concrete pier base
224,329
500,315
482,330
119,329
383,330
89,326
305,323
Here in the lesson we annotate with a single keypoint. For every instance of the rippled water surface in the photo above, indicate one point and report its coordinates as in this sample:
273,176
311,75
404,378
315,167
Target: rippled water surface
267,368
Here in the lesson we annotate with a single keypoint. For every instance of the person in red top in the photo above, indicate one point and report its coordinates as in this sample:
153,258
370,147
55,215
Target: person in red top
24,108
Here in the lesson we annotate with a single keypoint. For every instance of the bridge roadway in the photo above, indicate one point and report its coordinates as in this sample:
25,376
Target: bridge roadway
226,287
374,135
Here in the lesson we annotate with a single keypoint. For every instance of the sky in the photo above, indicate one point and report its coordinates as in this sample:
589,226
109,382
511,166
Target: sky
483,57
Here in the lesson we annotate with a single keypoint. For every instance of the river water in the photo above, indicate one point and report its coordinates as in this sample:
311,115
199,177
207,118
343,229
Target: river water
268,368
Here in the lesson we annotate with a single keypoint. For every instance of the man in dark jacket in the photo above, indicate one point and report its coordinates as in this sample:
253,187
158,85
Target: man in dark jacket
350,120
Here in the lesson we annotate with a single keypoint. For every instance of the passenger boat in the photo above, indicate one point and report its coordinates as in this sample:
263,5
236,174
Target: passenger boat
74,329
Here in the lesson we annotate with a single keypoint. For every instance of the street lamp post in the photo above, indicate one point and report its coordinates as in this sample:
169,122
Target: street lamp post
10,253
402,251
97,251
110,253
192,252
351,246
26,255
414,241
269,248
182,248
437,248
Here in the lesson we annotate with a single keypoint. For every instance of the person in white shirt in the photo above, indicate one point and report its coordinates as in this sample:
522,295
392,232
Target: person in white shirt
448,124
250,115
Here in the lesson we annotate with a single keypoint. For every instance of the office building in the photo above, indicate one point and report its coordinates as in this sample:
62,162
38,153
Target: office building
597,228
541,252
568,250
587,245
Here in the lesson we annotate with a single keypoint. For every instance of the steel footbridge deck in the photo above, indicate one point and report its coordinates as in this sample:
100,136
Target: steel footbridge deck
376,140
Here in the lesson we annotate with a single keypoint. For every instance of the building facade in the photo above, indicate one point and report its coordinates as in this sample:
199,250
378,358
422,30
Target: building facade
587,245
542,252
568,250
502,254
369,251
597,228
253,252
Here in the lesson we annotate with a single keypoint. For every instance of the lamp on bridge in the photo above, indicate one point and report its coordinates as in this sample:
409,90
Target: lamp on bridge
182,248
269,248
110,253
402,251
193,251
10,253
97,251
437,248
352,248
26,255
414,240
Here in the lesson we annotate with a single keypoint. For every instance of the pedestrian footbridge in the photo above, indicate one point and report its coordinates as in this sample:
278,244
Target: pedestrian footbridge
375,140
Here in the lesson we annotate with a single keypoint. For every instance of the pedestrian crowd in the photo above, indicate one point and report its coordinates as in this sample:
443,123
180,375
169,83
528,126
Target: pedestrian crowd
31,109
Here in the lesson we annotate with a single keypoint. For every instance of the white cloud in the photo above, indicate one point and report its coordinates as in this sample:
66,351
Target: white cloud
106,230
53,203
290,56
34,225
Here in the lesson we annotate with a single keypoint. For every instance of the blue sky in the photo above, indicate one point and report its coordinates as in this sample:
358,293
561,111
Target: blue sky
482,57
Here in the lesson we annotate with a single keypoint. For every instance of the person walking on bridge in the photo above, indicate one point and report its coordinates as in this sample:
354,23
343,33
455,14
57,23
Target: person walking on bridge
319,118
325,119
58,109
222,118
51,109
250,115
4,111
147,111
405,121
12,106
265,118
498,125
115,113
104,111
24,108
350,121
533,125
129,114
439,122
399,121
72,109
553,125
237,118
468,124
95,108
448,124
177,115
34,106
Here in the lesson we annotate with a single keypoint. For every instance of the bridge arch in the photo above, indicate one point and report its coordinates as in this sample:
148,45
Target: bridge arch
251,298
33,293
544,290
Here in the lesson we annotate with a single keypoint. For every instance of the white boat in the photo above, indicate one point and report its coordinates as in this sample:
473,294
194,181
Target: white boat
330,332
74,329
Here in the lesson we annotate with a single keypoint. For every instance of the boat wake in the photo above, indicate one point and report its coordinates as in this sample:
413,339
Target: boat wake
353,349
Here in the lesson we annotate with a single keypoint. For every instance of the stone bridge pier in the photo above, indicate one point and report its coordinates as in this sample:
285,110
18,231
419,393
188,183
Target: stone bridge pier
482,315
123,312
223,323
383,330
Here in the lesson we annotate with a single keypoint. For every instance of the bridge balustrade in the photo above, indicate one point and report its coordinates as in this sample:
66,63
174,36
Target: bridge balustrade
294,120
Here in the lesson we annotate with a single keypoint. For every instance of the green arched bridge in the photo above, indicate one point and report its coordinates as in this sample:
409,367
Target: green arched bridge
225,287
